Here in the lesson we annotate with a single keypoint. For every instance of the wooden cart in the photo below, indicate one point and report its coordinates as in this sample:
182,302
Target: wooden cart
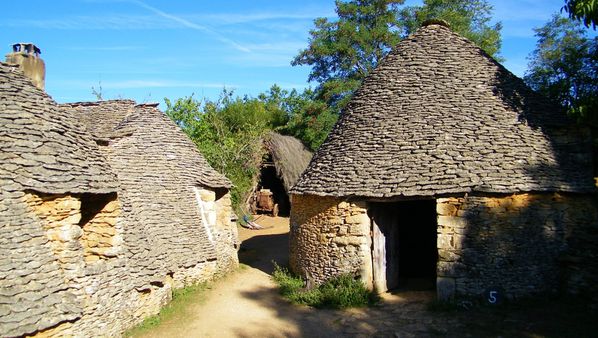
265,202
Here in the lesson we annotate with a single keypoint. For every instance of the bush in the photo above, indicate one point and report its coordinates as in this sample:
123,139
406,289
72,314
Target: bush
337,293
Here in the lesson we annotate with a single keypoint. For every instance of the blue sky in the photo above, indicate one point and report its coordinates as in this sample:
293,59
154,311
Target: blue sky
148,49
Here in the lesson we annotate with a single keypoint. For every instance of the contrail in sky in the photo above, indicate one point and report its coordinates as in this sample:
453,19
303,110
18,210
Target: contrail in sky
191,25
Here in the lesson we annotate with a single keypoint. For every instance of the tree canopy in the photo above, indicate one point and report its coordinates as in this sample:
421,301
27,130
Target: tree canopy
230,132
564,67
469,18
342,52
583,10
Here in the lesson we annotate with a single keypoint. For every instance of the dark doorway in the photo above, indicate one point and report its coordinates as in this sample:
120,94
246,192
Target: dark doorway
404,244
269,180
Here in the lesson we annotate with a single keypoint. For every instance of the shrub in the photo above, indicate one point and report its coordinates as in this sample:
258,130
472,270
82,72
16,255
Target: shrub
337,293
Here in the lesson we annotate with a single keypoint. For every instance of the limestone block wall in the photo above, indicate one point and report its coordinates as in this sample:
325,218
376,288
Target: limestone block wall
515,242
216,210
328,237
84,233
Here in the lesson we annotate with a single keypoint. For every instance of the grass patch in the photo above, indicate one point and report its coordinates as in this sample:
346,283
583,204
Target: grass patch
181,299
337,293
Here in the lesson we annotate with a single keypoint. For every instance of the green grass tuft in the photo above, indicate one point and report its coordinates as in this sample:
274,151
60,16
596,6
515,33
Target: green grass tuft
337,293
181,299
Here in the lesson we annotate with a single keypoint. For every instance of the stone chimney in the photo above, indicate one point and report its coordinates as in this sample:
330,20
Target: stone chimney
26,55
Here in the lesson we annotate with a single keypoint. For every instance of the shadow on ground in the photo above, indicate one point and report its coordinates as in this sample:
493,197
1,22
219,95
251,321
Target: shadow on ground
407,313
260,251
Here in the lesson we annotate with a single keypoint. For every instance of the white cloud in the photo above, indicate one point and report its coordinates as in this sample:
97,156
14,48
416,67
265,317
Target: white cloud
104,48
94,22
189,24
240,18
127,84
132,84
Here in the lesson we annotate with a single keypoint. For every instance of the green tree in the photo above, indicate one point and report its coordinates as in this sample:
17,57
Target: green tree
564,67
344,51
307,118
470,18
583,10
229,134
310,118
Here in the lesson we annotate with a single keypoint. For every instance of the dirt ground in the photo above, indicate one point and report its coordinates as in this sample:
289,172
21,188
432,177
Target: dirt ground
247,304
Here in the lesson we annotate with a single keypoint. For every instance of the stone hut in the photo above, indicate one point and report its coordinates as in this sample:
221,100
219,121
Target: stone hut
168,186
101,220
445,169
58,213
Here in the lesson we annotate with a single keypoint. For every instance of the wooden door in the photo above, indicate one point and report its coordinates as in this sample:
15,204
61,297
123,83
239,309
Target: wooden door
379,257
385,246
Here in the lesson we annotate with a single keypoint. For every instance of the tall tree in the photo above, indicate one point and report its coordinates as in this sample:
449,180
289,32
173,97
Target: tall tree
564,66
583,10
344,51
470,18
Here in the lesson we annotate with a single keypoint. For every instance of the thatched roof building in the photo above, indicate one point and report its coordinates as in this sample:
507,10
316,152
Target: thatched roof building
443,166
290,157
286,158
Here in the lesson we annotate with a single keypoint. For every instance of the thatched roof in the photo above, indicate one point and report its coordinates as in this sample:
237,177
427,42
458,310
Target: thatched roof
290,157
440,116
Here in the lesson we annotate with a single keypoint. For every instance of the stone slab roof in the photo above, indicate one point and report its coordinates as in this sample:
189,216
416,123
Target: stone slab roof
40,144
157,166
41,149
439,116
118,118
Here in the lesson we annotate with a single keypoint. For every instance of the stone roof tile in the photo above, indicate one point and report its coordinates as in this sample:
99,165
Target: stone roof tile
41,145
158,168
439,116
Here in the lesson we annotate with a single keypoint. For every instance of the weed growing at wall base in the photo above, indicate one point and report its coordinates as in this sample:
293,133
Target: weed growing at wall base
337,293
181,298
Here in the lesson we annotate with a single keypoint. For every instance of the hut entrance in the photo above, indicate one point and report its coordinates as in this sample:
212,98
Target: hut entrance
271,196
404,249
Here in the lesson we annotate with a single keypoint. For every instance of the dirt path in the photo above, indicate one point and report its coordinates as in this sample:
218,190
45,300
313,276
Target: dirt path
247,304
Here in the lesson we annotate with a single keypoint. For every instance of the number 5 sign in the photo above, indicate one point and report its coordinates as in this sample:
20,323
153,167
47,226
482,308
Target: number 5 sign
494,295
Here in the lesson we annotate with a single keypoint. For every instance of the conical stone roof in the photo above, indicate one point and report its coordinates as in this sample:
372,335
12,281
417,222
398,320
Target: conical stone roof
40,145
440,116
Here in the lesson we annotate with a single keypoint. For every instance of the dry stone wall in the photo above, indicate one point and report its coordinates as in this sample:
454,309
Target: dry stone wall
524,244
329,237
84,233
94,238
519,243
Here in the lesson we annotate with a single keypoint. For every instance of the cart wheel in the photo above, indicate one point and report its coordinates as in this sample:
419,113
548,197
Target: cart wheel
275,210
